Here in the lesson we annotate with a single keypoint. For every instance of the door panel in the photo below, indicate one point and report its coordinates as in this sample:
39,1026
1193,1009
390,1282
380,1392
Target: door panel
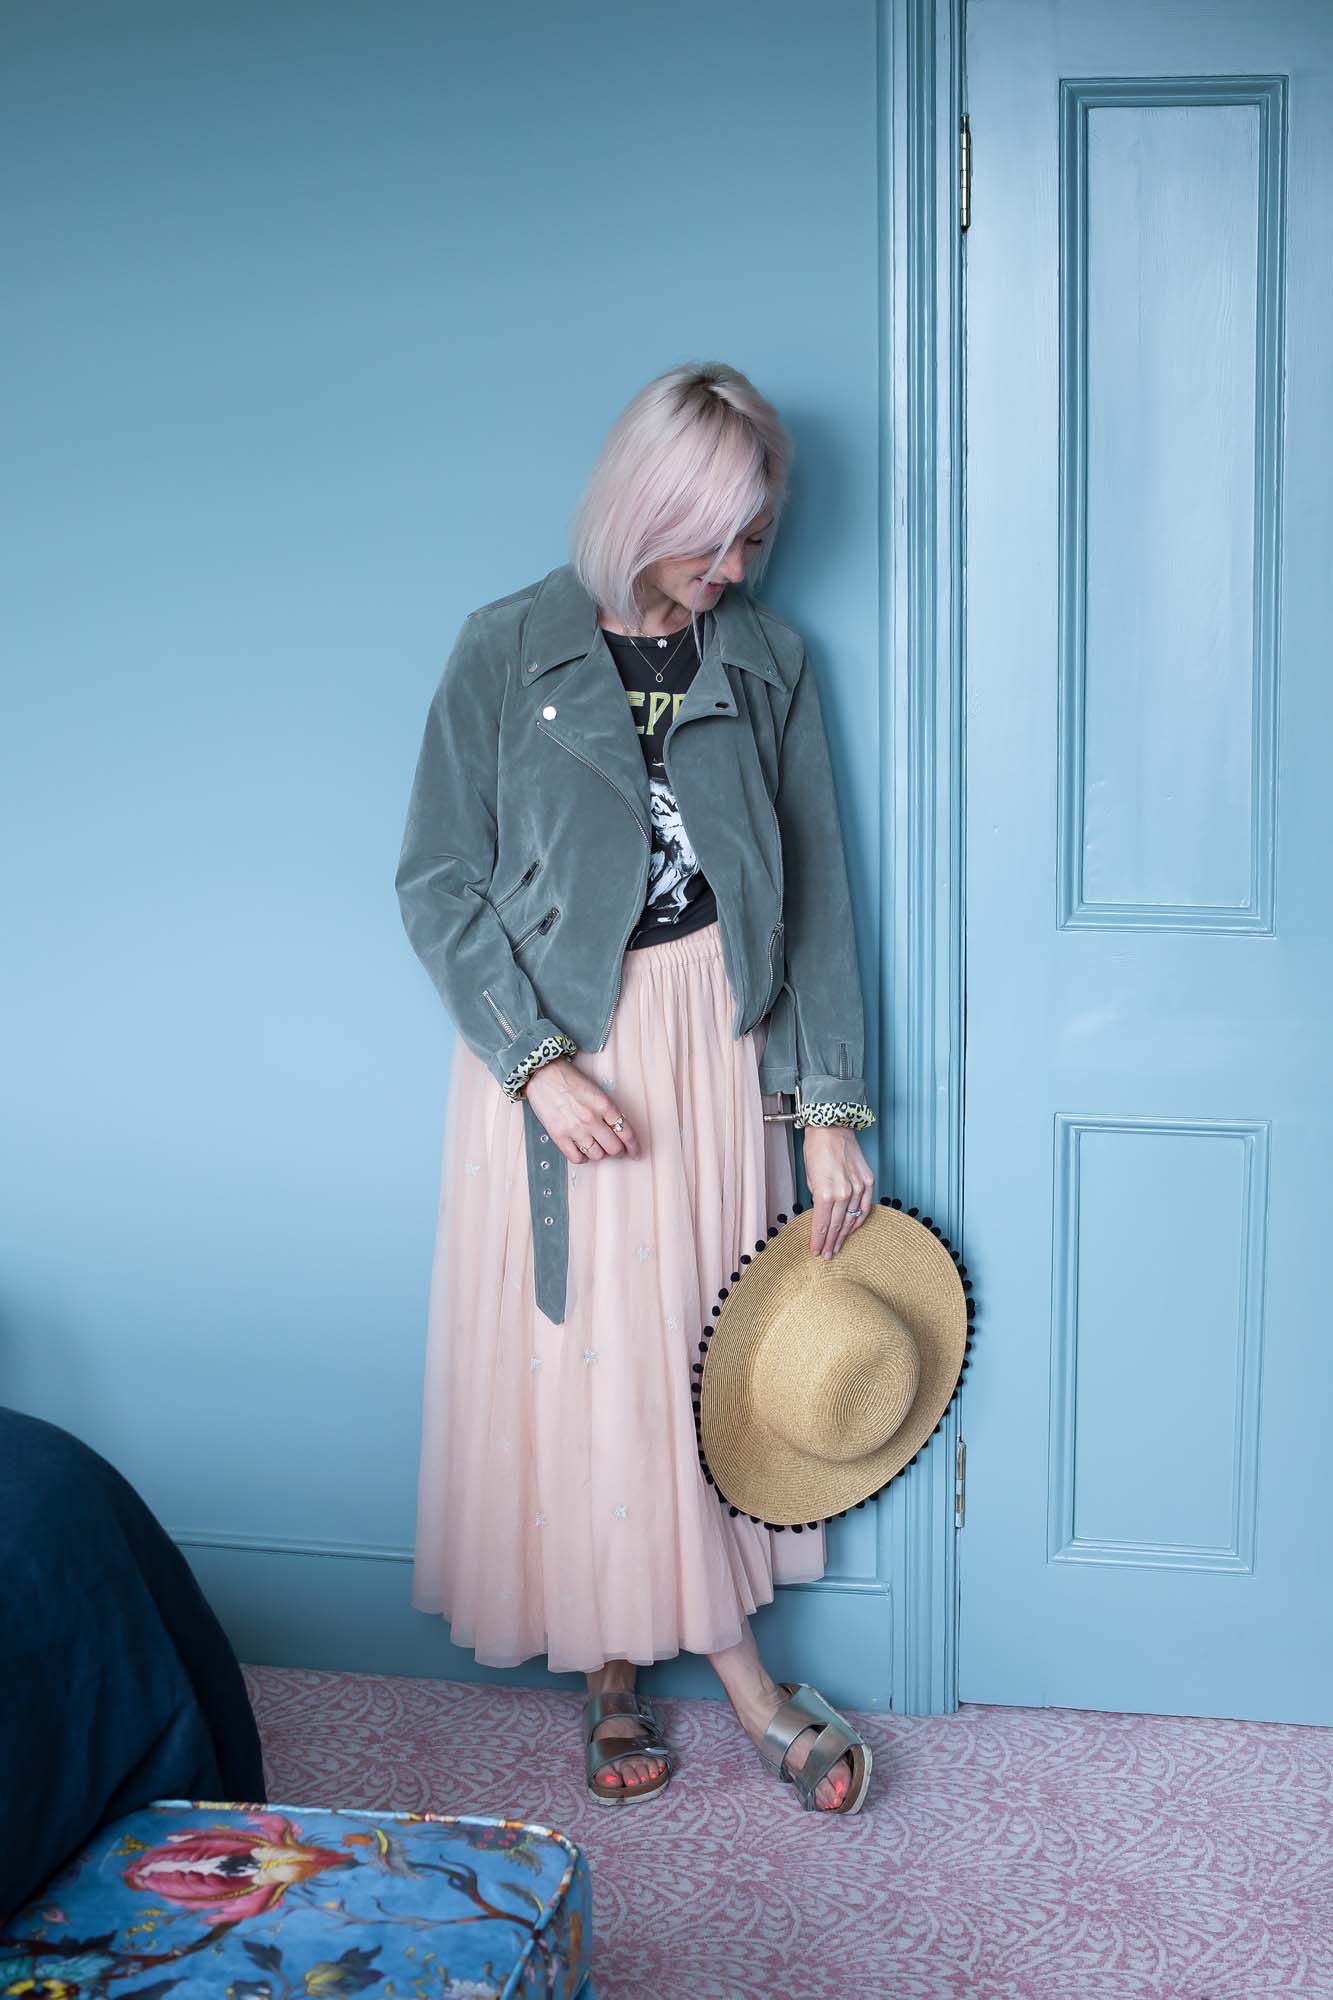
1149,1110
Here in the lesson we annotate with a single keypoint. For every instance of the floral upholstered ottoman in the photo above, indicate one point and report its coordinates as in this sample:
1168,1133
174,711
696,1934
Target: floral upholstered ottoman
250,1902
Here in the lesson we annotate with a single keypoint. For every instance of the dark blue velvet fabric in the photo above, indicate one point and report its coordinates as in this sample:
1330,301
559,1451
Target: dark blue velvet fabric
117,1684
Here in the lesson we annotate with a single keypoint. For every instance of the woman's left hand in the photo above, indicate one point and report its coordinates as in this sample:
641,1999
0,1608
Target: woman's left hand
839,1177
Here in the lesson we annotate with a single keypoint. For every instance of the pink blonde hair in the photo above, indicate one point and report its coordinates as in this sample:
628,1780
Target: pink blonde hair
687,464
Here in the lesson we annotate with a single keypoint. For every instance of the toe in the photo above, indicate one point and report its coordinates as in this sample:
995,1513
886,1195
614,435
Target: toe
832,1790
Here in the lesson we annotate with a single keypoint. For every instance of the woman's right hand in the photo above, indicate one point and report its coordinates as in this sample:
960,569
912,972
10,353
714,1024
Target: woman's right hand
577,1113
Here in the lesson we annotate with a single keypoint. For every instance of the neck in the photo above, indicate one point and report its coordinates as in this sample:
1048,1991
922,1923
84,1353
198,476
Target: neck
661,617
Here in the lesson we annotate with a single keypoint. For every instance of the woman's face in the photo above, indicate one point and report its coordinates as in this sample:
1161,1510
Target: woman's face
681,577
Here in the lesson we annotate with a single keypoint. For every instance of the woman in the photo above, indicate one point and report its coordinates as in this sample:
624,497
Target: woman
641,998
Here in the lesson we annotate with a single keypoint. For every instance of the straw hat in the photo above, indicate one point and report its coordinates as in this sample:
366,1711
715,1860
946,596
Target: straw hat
820,1378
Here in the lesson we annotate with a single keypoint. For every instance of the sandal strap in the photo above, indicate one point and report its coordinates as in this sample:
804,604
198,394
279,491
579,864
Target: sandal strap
617,1701
601,1751
795,1714
804,1708
828,1747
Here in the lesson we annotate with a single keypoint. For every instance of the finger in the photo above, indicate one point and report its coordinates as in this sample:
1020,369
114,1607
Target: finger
865,1201
850,1224
837,1221
828,1213
626,1140
861,1199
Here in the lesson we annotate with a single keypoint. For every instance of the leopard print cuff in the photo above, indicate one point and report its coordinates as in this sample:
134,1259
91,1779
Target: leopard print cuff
858,1116
546,1051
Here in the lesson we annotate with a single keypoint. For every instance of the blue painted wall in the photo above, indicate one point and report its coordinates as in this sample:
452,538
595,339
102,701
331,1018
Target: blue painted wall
317,315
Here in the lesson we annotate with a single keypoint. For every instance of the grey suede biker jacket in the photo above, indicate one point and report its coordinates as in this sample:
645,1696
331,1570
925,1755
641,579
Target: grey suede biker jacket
524,863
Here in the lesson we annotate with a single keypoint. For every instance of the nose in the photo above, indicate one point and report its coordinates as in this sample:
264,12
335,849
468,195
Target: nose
733,564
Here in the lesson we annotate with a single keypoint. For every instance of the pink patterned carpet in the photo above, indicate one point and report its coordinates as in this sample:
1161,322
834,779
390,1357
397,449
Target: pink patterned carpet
1004,1853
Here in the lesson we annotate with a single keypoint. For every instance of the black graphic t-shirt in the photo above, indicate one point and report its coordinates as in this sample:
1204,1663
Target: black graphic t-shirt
679,898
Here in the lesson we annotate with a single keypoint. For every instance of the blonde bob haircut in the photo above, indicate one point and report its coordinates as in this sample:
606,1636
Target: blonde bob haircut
687,465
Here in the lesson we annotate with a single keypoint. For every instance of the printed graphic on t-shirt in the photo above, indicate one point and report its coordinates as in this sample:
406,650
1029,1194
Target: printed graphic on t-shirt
673,862
678,897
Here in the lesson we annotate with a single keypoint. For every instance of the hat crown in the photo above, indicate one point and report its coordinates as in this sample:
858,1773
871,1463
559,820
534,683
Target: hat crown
838,1384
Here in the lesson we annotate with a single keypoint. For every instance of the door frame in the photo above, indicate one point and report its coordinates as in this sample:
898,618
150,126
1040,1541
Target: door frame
922,984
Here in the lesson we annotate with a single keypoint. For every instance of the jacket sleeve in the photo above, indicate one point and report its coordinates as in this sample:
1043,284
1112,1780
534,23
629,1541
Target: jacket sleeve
445,870
820,939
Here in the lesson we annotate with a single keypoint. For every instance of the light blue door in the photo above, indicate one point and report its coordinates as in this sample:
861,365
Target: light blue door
1149,1087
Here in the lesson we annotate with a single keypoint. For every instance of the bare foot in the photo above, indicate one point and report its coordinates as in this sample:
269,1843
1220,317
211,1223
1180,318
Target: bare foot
626,1770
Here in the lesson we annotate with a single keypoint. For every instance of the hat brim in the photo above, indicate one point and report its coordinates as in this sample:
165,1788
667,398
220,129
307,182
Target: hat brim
755,1470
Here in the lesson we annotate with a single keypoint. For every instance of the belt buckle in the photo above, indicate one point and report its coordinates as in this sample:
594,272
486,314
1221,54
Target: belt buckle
784,1117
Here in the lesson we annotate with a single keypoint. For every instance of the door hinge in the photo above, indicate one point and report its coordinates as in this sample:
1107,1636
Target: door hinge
959,1482
964,172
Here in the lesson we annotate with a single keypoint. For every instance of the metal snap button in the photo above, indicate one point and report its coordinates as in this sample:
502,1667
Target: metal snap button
533,668
544,1138
547,1220
546,1163
548,711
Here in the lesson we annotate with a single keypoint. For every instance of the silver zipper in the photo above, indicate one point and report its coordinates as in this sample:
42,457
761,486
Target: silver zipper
522,883
507,1025
625,801
543,924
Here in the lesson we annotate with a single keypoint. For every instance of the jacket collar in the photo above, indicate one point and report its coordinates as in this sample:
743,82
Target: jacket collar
562,625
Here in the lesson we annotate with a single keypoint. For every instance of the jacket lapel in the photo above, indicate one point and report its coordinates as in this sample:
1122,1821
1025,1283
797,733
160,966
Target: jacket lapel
592,720
568,666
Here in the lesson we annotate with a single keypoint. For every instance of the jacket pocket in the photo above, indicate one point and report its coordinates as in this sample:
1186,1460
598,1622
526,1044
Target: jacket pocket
521,883
542,924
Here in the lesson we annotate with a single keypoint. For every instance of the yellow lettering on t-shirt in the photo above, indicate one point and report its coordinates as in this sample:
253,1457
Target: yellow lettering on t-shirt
657,699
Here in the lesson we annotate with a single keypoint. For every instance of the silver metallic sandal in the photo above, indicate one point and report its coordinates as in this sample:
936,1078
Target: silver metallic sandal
806,1706
598,1753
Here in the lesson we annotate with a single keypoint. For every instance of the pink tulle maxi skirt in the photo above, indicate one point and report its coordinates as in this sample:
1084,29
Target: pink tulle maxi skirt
562,1509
